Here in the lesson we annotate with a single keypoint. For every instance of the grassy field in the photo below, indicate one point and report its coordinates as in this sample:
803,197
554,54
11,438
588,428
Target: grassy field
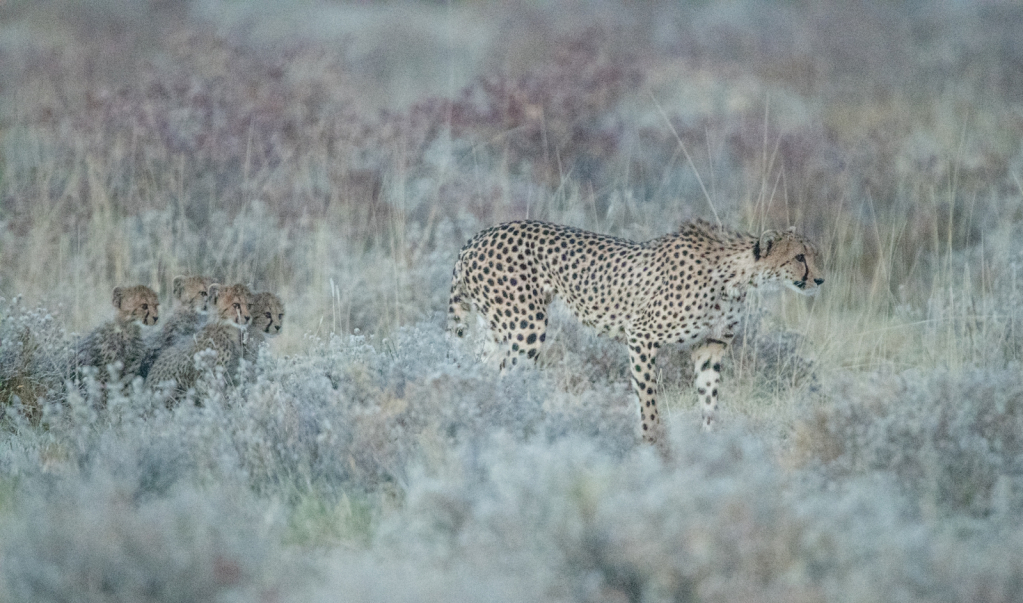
340,154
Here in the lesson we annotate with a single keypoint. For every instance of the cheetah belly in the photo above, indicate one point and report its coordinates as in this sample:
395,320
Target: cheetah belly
716,322
605,306
609,316
721,323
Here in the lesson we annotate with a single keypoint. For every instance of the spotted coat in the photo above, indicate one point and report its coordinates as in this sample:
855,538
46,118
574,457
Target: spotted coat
687,287
191,297
223,335
120,340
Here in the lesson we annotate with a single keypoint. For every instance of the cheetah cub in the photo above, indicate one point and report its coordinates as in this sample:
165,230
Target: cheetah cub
120,340
687,287
267,318
191,296
223,334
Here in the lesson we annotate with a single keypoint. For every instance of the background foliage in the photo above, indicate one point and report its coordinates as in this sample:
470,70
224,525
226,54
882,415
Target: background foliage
341,153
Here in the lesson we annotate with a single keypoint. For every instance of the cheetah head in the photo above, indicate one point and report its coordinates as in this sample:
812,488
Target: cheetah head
267,313
789,259
138,303
192,292
231,303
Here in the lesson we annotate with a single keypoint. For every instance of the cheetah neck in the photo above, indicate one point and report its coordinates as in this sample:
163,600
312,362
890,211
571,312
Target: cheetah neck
231,323
740,270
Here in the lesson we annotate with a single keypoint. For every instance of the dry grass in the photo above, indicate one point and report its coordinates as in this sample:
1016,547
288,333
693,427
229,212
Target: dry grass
288,147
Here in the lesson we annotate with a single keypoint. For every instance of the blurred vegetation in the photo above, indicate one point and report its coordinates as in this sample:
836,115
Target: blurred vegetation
340,153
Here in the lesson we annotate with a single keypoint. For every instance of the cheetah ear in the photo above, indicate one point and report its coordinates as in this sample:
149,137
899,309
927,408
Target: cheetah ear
179,286
762,248
791,229
118,297
212,292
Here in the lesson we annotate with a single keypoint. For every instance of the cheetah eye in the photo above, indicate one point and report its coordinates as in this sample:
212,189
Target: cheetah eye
203,293
145,306
800,258
270,316
237,306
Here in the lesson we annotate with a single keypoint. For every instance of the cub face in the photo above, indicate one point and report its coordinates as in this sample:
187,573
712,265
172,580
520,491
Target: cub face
794,261
231,303
267,313
138,303
192,292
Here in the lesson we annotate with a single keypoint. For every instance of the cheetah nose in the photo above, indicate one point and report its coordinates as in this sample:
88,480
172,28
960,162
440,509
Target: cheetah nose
819,281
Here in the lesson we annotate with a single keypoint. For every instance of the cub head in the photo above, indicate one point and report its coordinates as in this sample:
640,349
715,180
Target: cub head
790,259
192,292
138,303
267,313
231,303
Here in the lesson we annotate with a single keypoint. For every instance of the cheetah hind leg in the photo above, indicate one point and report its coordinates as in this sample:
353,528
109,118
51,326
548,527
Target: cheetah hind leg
458,308
707,369
490,348
523,340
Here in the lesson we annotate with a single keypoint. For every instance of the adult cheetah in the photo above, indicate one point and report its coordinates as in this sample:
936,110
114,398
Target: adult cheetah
223,334
686,287
120,340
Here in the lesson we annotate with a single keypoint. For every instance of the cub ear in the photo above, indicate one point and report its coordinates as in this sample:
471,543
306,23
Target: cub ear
212,292
762,248
118,297
179,286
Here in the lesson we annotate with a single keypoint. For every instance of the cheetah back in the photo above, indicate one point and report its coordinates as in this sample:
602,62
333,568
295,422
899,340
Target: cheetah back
510,273
177,363
174,364
113,342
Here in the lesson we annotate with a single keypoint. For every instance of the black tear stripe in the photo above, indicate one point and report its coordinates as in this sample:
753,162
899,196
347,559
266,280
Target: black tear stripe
806,271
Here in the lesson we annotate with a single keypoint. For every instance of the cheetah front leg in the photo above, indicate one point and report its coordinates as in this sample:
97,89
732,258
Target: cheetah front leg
707,368
642,360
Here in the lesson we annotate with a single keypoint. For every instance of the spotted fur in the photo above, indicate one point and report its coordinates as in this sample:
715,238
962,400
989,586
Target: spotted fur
120,340
687,287
191,294
223,334
191,297
267,318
